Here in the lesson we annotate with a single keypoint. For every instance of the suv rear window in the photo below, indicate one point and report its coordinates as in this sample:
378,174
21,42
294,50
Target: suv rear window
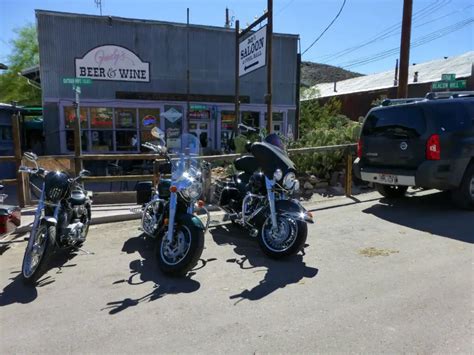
395,122
452,118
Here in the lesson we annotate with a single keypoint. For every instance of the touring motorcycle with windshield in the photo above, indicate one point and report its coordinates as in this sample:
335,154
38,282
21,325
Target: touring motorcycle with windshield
258,197
62,218
169,216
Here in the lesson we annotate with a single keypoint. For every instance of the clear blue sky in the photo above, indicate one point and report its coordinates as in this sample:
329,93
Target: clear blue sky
361,21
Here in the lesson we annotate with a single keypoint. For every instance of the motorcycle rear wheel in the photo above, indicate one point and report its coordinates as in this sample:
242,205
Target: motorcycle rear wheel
288,240
38,251
182,254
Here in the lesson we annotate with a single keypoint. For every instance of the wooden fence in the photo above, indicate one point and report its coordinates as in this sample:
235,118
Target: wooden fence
73,163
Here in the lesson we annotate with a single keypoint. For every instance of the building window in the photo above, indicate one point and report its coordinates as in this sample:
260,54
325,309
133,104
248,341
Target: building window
277,121
251,119
70,140
101,118
126,138
101,122
149,118
227,127
69,119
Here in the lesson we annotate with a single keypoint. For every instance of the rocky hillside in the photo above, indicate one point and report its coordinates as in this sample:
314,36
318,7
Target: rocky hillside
315,73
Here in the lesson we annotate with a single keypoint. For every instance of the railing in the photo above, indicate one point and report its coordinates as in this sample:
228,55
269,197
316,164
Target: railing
75,163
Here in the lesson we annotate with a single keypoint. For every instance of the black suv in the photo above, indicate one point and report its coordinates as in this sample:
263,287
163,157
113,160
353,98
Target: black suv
427,143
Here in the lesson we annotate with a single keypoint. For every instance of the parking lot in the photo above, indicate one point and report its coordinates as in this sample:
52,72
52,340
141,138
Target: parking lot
375,277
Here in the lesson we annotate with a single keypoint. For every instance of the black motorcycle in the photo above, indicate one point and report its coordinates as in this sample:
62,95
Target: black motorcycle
169,216
258,197
62,218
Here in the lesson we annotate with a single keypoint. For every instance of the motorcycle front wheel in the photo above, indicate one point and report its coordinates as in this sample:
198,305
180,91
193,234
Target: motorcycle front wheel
177,257
286,240
38,252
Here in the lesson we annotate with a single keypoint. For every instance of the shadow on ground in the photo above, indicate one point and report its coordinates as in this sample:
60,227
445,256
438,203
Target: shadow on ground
277,273
144,269
433,213
19,292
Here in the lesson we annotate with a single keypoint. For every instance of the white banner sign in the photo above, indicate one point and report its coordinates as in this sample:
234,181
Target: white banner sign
252,52
112,63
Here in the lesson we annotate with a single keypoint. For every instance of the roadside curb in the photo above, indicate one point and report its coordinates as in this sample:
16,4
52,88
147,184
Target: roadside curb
123,217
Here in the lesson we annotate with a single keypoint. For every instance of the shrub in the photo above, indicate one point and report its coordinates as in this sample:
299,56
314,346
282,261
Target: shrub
323,126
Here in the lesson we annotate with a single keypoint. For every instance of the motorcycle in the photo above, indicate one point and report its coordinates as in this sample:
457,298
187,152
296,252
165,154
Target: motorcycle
10,216
169,217
258,197
62,218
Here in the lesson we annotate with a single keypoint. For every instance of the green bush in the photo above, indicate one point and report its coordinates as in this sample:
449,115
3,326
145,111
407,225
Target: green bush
323,126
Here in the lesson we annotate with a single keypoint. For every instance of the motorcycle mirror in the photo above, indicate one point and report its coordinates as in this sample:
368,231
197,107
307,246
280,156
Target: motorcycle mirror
31,156
157,133
84,172
248,145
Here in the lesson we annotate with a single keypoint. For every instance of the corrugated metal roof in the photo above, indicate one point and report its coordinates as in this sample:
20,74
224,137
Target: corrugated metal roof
428,72
178,24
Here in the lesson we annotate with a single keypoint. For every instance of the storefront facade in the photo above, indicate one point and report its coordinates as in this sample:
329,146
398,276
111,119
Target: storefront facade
139,69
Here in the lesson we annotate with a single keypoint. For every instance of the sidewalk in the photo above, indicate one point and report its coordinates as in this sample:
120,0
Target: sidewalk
122,212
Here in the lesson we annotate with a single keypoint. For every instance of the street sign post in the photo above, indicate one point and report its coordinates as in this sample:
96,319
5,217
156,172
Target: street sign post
77,81
252,52
448,77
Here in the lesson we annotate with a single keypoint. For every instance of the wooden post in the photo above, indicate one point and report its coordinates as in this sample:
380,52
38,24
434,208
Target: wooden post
77,136
237,78
269,66
348,187
17,151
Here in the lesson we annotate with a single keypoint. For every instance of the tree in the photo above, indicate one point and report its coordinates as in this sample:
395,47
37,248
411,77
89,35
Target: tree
25,54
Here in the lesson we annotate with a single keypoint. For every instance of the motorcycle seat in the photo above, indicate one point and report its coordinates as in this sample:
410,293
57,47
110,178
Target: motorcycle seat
77,198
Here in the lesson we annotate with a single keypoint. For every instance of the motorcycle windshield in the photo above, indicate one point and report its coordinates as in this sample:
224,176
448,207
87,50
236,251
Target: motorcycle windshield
185,165
271,155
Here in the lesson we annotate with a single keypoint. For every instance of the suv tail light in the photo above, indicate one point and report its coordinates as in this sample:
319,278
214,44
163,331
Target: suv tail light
433,148
359,148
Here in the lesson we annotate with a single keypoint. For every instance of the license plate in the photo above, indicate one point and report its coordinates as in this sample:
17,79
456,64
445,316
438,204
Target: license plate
388,179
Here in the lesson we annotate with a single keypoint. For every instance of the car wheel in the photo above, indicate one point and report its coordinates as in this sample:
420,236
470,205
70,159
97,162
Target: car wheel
463,196
391,191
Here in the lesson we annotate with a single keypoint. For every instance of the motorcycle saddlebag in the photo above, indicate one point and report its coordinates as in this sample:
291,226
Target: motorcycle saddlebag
224,192
10,218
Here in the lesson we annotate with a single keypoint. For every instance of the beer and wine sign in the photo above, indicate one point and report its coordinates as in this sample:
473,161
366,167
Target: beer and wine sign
448,82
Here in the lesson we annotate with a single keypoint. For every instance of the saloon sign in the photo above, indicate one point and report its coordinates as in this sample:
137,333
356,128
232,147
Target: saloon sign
252,52
112,62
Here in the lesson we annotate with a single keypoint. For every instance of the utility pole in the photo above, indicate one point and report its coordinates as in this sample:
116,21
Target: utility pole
405,49
227,22
269,65
237,78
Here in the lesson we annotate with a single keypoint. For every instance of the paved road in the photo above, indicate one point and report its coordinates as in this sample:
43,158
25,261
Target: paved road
376,277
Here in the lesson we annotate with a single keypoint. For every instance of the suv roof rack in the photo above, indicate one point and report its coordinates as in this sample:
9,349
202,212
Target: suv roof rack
448,95
393,102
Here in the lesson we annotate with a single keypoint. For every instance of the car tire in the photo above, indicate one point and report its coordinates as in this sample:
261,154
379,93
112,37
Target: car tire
391,191
463,196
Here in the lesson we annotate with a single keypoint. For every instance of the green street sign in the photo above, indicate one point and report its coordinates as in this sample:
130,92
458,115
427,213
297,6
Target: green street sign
77,81
459,84
440,85
448,77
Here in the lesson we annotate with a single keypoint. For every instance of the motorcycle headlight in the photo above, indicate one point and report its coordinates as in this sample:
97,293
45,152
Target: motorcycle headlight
193,191
290,182
278,174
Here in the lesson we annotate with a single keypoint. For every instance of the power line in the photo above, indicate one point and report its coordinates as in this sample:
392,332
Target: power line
327,28
418,42
389,31
284,7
